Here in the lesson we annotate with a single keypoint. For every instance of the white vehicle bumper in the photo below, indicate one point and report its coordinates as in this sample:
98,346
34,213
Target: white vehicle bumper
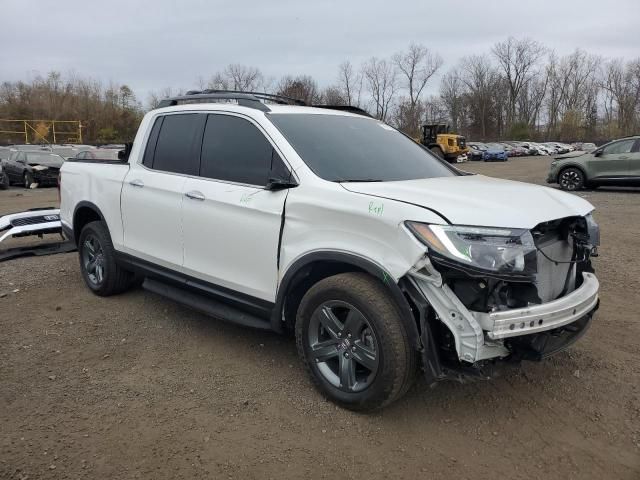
479,336
31,222
539,318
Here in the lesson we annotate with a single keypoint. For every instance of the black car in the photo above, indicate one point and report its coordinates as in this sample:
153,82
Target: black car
476,151
32,168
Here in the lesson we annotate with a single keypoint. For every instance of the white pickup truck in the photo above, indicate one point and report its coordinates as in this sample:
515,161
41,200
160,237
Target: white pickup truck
326,223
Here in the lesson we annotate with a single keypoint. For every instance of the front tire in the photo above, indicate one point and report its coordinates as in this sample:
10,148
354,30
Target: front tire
353,342
571,179
27,179
98,265
437,151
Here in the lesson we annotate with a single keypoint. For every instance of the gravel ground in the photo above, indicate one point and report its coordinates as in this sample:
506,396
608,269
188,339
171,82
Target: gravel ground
136,386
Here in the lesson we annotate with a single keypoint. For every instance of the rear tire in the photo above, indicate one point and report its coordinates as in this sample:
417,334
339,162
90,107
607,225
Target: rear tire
353,342
101,273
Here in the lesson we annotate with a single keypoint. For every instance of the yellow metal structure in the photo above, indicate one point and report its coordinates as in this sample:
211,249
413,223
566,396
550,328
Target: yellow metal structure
43,131
443,143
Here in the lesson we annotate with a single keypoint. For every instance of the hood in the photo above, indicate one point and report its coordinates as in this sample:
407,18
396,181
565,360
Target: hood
481,201
55,162
570,155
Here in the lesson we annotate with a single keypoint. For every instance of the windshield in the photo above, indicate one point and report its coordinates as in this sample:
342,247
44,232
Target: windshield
43,157
344,148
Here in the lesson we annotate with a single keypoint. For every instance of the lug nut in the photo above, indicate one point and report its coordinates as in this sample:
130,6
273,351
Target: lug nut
348,335
339,334
346,355
353,349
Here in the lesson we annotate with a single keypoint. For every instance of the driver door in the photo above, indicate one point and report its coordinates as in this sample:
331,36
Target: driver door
613,161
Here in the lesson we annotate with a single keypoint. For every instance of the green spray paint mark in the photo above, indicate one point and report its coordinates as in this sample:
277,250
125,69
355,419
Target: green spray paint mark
376,208
385,277
246,198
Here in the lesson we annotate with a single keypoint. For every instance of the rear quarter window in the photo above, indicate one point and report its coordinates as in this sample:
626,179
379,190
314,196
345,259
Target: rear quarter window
177,149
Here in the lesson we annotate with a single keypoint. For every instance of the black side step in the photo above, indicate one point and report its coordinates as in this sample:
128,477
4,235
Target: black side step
206,305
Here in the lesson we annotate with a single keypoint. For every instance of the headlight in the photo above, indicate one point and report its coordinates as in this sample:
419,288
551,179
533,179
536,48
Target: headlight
498,250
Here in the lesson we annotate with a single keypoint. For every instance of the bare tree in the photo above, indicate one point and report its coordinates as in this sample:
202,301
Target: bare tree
302,87
236,77
243,78
483,83
452,91
621,84
381,81
518,59
350,83
333,95
417,66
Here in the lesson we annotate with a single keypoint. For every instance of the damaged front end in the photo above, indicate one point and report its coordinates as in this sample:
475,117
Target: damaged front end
487,294
44,175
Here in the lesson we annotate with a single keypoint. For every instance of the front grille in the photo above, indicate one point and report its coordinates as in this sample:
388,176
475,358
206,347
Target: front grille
21,222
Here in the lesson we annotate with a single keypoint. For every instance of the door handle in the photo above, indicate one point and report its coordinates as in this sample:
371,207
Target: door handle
136,183
194,195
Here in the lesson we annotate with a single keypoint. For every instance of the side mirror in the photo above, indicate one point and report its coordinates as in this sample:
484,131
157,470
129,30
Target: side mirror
280,183
597,153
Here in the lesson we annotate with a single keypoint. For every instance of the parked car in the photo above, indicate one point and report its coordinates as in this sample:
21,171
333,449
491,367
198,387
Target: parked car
98,154
495,152
39,168
509,150
476,151
376,254
541,148
588,147
616,163
4,179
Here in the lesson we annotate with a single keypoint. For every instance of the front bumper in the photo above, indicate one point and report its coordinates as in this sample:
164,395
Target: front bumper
481,336
31,222
539,318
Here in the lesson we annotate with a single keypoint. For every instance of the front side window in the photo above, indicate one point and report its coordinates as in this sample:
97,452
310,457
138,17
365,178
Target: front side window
623,146
343,148
234,150
177,149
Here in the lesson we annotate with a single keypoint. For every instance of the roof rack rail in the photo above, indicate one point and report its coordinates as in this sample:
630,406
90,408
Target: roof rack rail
246,99
250,99
345,108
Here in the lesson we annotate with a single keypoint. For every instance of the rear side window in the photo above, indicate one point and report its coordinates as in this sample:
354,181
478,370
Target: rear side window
233,149
178,146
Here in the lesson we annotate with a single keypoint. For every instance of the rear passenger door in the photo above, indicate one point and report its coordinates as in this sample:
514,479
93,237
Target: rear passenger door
231,223
634,161
152,191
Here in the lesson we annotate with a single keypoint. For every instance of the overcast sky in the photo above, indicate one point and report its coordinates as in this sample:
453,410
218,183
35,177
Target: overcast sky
153,44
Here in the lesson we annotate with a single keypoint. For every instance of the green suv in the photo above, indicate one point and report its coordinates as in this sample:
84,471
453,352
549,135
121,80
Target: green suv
616,163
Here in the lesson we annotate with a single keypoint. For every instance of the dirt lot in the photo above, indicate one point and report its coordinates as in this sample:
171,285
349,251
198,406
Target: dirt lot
136,386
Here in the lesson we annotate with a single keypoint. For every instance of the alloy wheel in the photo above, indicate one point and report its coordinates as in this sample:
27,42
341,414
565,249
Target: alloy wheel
93,259
570,180
343,346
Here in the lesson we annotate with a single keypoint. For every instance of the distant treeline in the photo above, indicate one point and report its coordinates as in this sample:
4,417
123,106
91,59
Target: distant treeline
518,90
108,114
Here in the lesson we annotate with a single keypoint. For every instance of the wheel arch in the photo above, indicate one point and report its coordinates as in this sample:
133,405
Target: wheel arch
313,267
84,213
572,165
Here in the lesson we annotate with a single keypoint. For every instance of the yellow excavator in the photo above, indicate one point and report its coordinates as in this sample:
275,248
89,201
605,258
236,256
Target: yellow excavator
442,143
